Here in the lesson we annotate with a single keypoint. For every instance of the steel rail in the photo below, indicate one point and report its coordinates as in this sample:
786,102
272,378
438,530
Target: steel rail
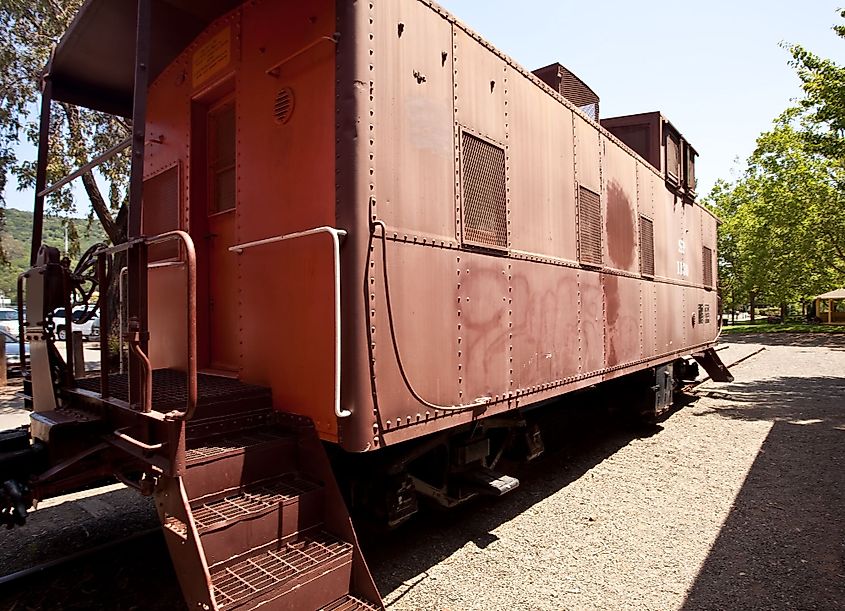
335,234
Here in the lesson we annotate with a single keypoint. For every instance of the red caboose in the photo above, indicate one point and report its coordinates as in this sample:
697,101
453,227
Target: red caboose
356,224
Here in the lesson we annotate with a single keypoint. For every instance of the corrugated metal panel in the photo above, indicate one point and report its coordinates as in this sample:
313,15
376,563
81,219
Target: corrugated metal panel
485,215
646,246
589,227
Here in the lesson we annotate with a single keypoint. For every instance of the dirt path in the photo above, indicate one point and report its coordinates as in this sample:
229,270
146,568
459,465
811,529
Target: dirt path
736,503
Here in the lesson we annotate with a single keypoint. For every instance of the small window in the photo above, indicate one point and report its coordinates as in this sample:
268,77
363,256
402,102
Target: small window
673,157
690,169
707,261
221,157
589,227
485,213
646,246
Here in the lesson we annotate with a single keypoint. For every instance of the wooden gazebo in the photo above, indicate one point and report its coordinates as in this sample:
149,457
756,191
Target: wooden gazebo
830,307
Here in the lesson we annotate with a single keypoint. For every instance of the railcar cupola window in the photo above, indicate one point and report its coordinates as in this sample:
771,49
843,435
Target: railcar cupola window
484,206
690,169
221,155
589,227
673,158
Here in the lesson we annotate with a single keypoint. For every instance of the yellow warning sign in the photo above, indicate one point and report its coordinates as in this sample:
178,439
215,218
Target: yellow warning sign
212,56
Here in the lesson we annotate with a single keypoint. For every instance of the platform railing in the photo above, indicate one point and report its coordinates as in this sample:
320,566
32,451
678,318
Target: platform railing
135,332
336,235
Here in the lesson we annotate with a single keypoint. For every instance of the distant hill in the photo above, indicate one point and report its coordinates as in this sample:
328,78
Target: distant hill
16,237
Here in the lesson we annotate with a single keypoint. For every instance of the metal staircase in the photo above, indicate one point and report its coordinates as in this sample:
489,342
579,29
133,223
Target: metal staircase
256,519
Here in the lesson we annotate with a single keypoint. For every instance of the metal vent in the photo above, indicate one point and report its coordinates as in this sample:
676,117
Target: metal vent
161,211
707,260
673,157
646,246
283,107
589,227
484,199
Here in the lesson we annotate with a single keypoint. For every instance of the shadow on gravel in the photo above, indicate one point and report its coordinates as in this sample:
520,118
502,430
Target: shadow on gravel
833,341
782,544
577,437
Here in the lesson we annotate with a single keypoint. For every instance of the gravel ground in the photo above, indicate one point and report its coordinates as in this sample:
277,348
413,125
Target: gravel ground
735,502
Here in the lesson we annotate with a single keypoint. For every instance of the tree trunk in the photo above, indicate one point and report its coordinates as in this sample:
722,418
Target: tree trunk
753,300
784,311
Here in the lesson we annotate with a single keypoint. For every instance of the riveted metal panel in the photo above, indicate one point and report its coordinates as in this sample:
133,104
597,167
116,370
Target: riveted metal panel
590,231
414,92
587,157
479,87
622,306
619,174
424,286
541,173
483,326
545,323
591,330
649,319
484,205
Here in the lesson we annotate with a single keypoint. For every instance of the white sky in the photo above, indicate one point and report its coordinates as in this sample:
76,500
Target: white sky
714,68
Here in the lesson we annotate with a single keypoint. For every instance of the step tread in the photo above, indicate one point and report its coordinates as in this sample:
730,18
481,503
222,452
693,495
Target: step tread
252,500
219,446
350,603
255,574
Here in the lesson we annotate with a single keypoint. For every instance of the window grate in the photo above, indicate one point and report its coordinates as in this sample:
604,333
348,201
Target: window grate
589,227
161,208
646,246
707,261
485,221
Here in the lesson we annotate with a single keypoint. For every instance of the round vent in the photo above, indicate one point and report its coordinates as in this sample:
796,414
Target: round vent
283,108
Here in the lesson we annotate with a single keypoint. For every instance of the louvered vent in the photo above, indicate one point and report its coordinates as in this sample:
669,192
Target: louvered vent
283,107
673,157
707,260
161,211
646,247
589,227
485,215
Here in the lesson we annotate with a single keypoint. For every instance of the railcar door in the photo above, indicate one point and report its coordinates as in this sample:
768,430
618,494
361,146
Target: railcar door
220,211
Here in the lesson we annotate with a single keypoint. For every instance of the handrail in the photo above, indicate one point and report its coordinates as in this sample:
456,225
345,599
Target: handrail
191,262
335,234
99,159
191,313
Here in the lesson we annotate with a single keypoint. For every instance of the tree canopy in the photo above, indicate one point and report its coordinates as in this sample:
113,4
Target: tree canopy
783,234
29,29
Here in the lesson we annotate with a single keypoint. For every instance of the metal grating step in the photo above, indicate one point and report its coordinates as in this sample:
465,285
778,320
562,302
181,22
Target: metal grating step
253,500
270,569
350,603
216,447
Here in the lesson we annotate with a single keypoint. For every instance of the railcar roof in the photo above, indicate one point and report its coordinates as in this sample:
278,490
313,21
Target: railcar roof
94,63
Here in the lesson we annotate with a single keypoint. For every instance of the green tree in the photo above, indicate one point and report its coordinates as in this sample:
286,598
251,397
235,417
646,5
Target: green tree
29,29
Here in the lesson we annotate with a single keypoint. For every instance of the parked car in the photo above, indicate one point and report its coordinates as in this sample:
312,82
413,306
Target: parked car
89,330
13,351
9,321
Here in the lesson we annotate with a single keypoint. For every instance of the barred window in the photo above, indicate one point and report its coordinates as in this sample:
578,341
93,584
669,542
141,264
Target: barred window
589,227
707,260
646,246
485,221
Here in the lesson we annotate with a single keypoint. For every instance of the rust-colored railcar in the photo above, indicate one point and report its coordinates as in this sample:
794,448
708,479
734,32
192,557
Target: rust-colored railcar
362,242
